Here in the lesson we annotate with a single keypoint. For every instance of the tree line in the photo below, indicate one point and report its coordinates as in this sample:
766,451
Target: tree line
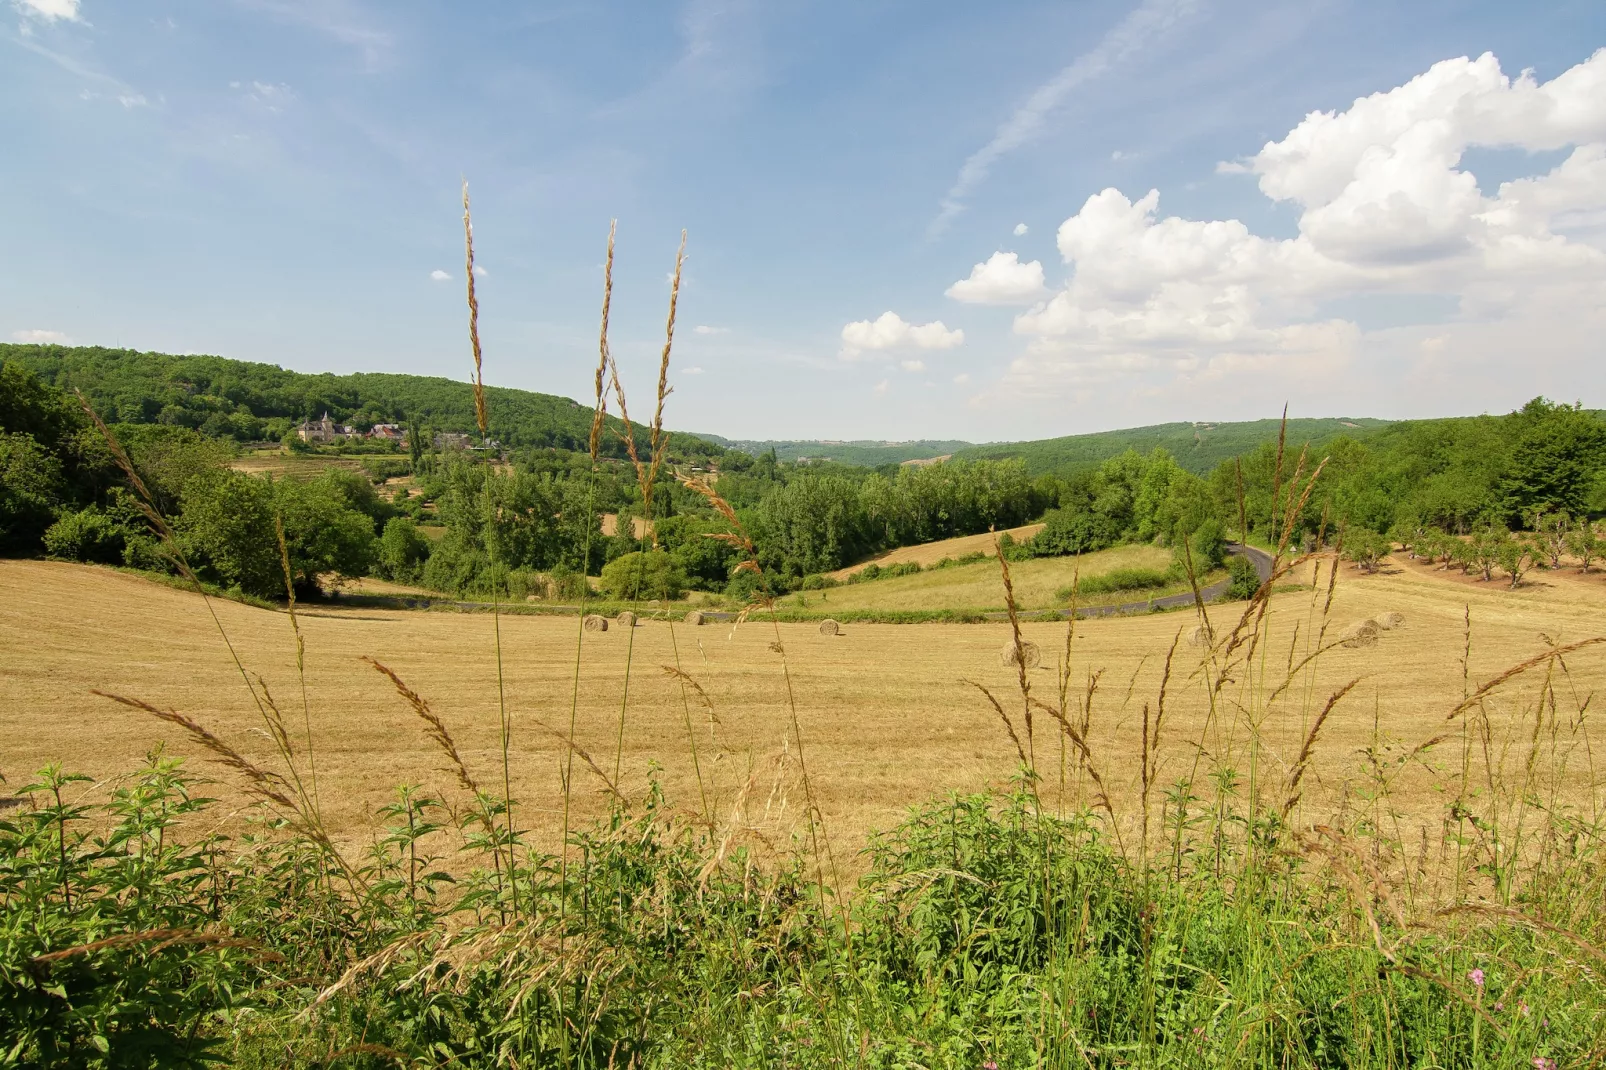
530,524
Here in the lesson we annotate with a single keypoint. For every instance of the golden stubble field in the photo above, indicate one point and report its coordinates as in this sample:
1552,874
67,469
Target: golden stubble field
886,720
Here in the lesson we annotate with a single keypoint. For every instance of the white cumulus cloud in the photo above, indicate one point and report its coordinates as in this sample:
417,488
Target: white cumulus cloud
962,378
1387,211
1020,228
1001,280
891,331
48,10
41,337
438,275
912,365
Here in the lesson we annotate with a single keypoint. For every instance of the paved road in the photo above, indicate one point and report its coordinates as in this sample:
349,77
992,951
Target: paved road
1260,558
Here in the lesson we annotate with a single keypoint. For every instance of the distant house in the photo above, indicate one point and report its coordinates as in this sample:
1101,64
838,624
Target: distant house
387,432
452,440
322,430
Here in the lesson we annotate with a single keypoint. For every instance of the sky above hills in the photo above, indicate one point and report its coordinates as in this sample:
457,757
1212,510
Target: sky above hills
907,218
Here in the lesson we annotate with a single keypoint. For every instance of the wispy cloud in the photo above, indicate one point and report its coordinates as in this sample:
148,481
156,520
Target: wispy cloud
41,337
49,10
1139,27
691,371
703,328
439,276
337,20
115,88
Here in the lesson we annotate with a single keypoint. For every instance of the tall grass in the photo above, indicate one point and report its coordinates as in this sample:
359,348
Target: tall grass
1222,914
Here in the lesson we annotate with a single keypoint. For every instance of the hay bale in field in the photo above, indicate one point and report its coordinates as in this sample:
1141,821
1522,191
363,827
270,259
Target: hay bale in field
1389,621
595,623
830,627
1029,655
694,618
626,619
1361,633
1201,635
531,598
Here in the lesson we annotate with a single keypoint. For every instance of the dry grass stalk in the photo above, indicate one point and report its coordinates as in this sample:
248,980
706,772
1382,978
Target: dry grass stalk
39,965
604,359
1009,726
473,316
301,650
1302,762
575,748
434,727
1517,670
1020,661
684,677
265,784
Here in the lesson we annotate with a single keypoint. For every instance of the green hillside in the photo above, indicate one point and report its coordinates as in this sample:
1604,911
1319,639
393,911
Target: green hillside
867,453
1198,447
249,402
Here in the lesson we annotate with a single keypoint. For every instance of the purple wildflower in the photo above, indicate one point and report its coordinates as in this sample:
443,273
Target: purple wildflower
1542,1063
1475,975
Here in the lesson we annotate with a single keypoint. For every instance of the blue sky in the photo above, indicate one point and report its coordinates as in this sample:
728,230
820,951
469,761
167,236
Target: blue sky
278,180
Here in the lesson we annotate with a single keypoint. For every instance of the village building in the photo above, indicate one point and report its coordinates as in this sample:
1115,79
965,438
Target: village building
322,430
387,432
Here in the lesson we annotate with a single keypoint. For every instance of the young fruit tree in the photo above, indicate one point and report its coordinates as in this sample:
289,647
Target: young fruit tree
1517,555
1483,552
1366,548
1551,531
1585,543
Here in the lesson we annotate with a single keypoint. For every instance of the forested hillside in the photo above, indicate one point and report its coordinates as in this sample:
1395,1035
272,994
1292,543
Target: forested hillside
252,402
866,452
1197,447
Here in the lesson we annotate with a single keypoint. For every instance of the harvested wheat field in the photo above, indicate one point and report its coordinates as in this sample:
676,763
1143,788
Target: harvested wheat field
929,553
886,720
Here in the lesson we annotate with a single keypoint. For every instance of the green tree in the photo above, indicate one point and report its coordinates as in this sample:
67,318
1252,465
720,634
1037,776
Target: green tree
642,575
226,531
1366,547
1556,454
1584,542
403,549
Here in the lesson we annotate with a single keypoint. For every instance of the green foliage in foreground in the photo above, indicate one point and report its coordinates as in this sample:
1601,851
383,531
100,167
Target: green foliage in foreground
985,931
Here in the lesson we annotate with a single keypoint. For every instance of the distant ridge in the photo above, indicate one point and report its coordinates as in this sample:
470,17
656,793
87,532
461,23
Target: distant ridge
869,453
1198,447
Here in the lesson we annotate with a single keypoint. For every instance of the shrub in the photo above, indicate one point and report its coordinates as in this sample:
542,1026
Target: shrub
1208,546
1242,579
818,582
402,551
1121,579
567,584
87,535
1069,530
641,575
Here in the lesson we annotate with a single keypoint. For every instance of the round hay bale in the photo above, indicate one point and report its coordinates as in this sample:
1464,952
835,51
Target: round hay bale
626,619
694,618
1361,633
595,623
1200,636
1029,656
830,627
1389,621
